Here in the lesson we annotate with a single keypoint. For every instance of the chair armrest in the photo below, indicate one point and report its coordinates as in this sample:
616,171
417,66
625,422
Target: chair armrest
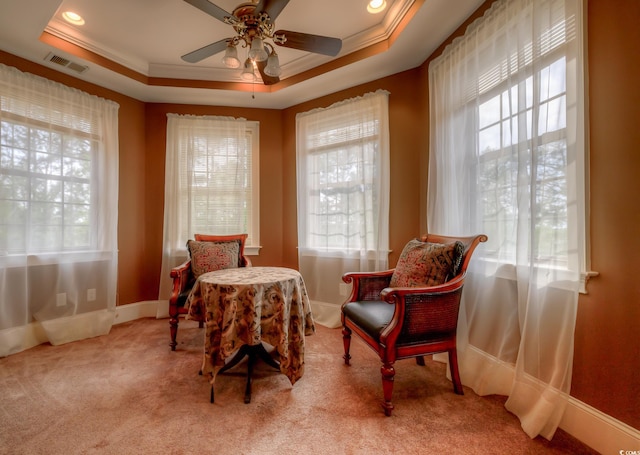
181,276
391,295
429,307
367,285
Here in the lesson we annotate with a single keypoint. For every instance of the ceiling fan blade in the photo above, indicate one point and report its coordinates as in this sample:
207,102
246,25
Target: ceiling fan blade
272,7
206,51
209,8
311,43
268,80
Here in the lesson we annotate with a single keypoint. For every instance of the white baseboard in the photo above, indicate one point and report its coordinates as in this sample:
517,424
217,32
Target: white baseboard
594,428
138,310
326,314
598,430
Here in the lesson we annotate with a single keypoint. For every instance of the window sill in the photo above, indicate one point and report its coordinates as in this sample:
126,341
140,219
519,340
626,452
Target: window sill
508,272
32,260
341,254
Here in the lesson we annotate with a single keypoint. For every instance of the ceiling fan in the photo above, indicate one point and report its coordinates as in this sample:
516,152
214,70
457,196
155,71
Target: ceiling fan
253,23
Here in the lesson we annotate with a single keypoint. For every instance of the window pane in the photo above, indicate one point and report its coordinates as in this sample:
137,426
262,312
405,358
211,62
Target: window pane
218,186
489,112
45,189
341,195
504,159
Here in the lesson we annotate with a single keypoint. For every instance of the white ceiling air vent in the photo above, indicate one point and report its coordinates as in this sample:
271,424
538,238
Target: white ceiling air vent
73,66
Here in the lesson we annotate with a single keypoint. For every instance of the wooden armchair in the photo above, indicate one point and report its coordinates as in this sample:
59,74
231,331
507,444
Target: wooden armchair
399,318
221,253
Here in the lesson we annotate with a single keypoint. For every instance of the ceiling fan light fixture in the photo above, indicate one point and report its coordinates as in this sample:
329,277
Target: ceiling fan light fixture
257,52
273,65
230,58
376,6
248,73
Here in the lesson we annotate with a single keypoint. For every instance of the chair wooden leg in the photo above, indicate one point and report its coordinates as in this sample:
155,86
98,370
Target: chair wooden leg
346,340
388,372
455,374
420,360
173,327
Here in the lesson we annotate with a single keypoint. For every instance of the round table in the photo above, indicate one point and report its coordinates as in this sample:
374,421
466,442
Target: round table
246,306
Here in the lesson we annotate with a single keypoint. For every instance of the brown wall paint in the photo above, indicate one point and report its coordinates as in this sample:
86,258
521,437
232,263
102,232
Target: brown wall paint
607,346
607,343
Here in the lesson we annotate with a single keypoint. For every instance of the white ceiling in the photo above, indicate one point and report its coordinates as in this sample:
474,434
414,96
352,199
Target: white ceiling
149,36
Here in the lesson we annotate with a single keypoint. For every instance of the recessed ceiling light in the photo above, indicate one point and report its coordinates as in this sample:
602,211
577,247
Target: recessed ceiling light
376,6
73,18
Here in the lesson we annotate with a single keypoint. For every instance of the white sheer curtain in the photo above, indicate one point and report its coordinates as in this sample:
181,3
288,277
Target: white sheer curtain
343,197
507,159
208,184
58,212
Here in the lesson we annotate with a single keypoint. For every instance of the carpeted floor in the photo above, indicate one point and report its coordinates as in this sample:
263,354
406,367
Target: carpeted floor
127,393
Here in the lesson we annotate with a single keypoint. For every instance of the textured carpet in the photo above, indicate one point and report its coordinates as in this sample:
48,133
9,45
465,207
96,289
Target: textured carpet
127,393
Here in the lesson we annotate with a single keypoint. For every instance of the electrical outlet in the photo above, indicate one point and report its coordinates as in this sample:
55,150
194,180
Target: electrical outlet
61,299
91,295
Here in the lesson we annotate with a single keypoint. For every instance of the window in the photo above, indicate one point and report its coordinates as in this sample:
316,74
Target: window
343,176
505,113
220,182
58,168
211,184
46,186
508,158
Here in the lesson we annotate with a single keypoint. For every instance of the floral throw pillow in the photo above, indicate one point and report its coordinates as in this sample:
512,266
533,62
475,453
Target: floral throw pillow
427,264
210,256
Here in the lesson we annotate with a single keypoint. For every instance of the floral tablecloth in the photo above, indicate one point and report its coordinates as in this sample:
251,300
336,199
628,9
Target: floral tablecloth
249,305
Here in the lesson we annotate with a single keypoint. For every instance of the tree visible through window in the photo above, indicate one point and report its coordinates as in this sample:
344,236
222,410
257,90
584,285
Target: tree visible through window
518,137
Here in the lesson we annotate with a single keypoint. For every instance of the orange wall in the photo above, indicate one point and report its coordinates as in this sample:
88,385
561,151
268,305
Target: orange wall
607,345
